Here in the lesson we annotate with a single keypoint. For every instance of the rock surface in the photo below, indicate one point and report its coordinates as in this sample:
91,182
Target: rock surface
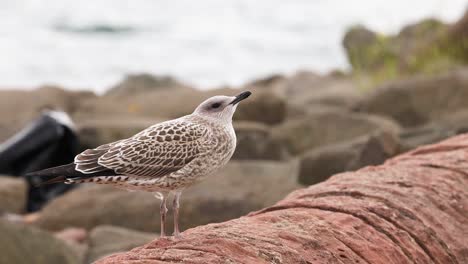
412,209
142,83
13,193
25,244
420,99
254,142
328,126
239,188
318,164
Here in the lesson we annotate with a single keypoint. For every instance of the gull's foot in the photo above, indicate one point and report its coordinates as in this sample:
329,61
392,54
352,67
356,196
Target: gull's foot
176,236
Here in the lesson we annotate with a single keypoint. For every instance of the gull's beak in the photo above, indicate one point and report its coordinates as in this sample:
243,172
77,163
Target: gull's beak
240,97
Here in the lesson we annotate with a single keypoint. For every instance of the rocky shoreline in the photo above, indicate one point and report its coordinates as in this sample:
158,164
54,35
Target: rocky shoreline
294,131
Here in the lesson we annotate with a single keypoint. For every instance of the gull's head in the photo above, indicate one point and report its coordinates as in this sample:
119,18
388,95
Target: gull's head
220,107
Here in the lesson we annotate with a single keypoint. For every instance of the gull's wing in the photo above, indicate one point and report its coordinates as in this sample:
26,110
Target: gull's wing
154,152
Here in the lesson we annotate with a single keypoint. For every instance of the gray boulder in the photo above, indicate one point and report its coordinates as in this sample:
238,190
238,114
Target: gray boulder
143,83
325,126
106,240
254,142
25,244
318,164
419,100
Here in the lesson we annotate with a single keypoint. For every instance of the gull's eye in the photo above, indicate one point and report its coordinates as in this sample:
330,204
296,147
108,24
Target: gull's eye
215,105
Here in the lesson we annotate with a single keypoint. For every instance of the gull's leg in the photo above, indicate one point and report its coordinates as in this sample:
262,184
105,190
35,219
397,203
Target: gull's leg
162,210
175,206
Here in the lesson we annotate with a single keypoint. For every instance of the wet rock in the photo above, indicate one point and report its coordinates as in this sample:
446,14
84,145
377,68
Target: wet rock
328,126
227,194
25,244
106,240
254,142
419,100
411,209
143,83
13,193
318,164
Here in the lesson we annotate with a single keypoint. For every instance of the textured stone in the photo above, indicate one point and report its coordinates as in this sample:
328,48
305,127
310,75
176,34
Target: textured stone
254,142
411,209
328,126
419,100
320,163
105,240
25,244
13,193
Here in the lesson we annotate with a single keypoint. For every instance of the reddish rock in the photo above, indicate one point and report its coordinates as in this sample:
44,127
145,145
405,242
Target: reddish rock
412,209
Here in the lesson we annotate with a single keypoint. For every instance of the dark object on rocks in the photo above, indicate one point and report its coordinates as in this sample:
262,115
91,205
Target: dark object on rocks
48,141
412,209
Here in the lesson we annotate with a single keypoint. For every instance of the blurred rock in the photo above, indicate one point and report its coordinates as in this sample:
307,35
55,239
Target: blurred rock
445,127
263,106
318,164
306,89
328,126
75,239
13,193
236,190
418,100
105,240
357,41
72,234
25,244
95,132
254,142
143,83
32,102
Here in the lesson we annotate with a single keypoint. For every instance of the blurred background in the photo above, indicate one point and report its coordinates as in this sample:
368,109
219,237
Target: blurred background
337,85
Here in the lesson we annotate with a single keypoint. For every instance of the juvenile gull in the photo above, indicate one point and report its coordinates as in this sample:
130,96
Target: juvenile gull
164,158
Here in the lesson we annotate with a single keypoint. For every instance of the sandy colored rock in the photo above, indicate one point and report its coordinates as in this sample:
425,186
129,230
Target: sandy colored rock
419,100
105,240
328,126
143,83
412,209
254,142
25,244
32,103
318,164
264,107
239,188
13,193
98,131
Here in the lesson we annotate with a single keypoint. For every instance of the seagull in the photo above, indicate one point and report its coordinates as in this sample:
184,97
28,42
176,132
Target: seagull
165,158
